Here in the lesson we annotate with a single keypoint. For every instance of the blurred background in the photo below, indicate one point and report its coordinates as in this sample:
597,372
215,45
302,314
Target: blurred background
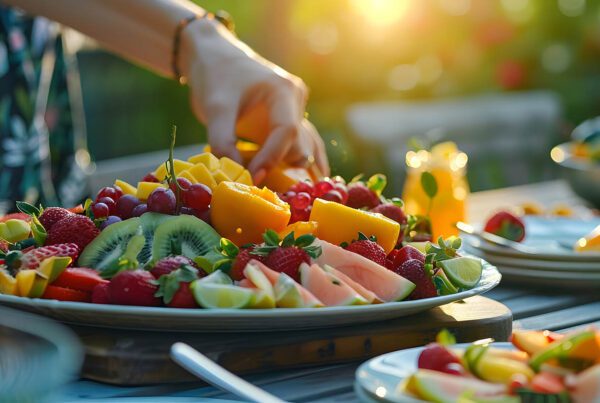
505,79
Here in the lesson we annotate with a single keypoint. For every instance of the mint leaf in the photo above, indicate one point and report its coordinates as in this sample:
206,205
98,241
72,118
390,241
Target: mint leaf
429,184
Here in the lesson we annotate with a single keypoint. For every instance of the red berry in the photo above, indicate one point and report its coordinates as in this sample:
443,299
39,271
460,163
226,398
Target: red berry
100,210
302,187
240,262
343,191
287,260
113,192
100,294
369,249
125,206
133,287
171,263
110,203
414,270
52,215
198,197
183,184
436,357
333,196
300,201
359,196
399,256
392,212
322,187
75,228
79,278
65,294
139,210
162,201
300,215
33,258
506,225
517,382
183,297
150,177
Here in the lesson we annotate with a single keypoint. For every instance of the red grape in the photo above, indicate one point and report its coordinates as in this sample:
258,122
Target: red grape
125,206
150,177
301,201
287,196
343,191
183,184
112,192
198,197
302,187
110,203
162,200
139,210
100,210
333,196
322,187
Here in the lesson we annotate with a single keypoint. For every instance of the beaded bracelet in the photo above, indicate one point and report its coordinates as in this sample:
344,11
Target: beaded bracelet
221,16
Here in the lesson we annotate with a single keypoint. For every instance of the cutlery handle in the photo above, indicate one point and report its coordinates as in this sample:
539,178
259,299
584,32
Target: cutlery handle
204,368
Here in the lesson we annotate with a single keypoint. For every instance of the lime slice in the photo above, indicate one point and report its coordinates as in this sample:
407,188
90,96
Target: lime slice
287,294
463,272
214,295
217,277
262,300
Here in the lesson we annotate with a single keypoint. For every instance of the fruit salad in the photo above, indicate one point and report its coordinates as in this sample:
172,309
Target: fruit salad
199,234
542,367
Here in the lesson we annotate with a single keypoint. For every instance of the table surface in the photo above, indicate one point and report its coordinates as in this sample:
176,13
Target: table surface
557,310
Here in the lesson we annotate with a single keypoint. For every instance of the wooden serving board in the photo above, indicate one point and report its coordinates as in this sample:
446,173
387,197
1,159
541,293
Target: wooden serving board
126,357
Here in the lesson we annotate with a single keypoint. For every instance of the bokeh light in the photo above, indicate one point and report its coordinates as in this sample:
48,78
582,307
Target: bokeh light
572,8
556,58
381,12
404,77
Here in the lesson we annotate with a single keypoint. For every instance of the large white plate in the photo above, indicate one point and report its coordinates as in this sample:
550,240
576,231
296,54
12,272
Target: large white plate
377,380
549,236
235,320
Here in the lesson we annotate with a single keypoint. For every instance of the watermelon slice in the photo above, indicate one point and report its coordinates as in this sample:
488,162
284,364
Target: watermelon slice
387,285
362,291
436,386
328,288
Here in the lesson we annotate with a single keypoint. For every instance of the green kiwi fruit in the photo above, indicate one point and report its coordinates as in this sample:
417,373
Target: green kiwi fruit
109,245
150,222
184,235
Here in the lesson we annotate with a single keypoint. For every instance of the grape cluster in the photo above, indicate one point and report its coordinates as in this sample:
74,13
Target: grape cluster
301,195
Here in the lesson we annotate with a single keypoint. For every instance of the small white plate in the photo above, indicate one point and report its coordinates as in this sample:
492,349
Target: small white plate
551,278
377,380
236,320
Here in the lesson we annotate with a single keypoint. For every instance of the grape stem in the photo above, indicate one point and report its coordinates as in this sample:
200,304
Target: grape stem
172,175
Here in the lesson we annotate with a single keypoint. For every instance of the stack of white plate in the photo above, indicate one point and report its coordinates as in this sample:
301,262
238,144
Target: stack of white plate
552,261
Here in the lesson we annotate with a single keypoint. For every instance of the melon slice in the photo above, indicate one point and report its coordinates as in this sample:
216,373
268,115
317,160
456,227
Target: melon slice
328,288
387,285
362,291
245,283
436,386
288,293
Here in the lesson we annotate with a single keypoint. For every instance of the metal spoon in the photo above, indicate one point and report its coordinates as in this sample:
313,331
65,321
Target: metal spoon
492,238
206,369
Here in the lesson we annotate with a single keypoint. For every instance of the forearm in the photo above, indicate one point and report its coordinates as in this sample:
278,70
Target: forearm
140,30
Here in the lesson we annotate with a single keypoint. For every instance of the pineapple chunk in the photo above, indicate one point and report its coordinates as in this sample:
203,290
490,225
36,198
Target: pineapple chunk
231,168
245,178
126,187
202,175
179,165
207,159
145,188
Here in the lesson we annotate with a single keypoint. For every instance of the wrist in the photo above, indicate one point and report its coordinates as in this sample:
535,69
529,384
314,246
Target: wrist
198,40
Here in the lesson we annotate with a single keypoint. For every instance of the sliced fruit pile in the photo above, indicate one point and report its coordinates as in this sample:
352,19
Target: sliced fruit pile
545,367
197,233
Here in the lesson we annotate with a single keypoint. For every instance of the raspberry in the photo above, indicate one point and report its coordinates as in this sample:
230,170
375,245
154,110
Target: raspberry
414,270
369,249
360,196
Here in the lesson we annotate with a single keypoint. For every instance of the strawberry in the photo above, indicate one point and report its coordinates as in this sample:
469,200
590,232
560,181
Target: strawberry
52,215
369,249
78,229
391,211
66,294
414,270
506,225
359,196
286,256
133,287
240,261
79,278
100,294
437,357
399,256
32,258
171,263
174,287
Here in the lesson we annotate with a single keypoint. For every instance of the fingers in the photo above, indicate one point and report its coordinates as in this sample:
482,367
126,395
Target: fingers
273,150
221,133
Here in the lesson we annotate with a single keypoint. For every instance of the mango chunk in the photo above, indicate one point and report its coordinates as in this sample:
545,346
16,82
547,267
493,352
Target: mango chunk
245,178
126,187
178,165
187,175
207,159
231,168
145,188
203,175
220,176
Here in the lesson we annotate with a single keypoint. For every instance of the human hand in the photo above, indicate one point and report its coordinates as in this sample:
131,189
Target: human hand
227,79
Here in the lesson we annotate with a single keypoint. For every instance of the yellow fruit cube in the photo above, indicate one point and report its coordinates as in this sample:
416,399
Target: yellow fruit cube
178,165
338,223
245,178
187,175
207,159
221,176
145,188
202,175
281,177
231,168
126,187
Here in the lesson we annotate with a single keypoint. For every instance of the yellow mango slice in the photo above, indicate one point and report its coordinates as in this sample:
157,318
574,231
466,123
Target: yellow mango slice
207,159
126,187
245,178
187,175
282,177
220,176
231,168
145,188
8,284
178,165
338,223
203,175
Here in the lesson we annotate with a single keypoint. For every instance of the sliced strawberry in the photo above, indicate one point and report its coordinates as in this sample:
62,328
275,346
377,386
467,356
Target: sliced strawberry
506,225
183,298
79,278
66,294
133,287
100,294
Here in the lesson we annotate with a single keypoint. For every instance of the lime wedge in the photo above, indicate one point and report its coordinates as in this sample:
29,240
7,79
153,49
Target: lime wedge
463,272
287,294
217,277
262,300
214,295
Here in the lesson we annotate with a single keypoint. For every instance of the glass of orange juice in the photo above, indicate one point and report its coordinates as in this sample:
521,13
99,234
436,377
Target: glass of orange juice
448,165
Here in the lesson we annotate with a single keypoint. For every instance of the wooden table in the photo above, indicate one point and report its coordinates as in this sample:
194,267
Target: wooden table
557,310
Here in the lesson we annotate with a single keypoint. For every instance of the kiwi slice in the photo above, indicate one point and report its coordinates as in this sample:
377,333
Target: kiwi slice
150,222
184,235
109,245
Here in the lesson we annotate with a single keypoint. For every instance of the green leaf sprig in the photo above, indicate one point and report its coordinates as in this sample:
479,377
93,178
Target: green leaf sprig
430,187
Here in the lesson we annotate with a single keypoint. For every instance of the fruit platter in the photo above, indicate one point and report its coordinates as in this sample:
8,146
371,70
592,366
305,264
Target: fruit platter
537,366
194,245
